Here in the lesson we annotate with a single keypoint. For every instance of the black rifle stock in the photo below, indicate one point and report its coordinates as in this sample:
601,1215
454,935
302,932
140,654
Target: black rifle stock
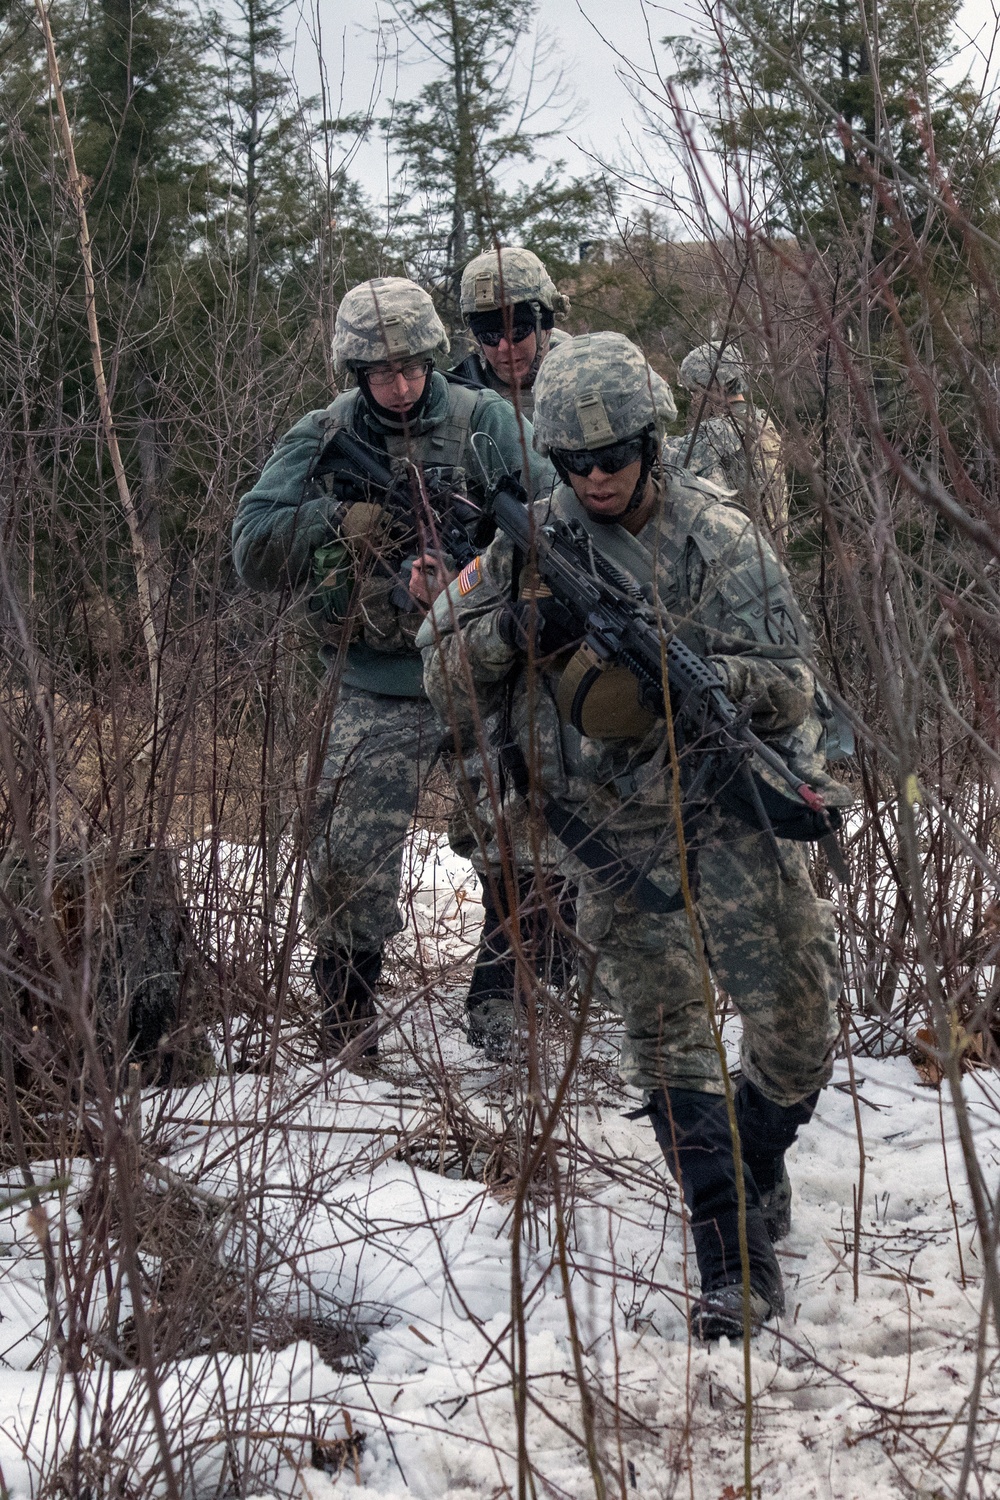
620,627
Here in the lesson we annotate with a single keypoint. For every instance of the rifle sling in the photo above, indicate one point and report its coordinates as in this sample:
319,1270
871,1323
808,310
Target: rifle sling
588,847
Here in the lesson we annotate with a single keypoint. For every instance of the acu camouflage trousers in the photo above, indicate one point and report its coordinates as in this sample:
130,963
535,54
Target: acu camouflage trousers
770,944
379,756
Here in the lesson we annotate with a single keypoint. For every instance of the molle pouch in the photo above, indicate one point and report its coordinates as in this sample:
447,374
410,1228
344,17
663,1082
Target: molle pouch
838,733
324,610
600,700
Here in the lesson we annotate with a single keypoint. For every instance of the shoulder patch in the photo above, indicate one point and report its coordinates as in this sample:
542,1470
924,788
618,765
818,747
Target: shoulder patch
470,577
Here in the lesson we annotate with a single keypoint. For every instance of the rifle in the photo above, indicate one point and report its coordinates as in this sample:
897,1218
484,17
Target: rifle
441,509
620,627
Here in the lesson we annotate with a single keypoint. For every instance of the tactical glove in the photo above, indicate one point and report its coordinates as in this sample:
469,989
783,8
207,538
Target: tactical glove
363,521
776,705
554,626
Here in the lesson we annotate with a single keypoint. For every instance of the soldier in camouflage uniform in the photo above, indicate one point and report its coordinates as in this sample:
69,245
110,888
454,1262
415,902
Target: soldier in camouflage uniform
509,302
307,526
729,441
769,940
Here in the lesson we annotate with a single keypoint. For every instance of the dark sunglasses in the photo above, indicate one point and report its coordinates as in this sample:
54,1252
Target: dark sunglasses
491,336
610,460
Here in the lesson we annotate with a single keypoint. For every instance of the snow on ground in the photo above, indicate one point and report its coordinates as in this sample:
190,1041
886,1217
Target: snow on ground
339,1202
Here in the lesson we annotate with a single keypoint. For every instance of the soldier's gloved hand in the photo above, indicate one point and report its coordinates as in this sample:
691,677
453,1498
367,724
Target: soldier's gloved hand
776,705
554,626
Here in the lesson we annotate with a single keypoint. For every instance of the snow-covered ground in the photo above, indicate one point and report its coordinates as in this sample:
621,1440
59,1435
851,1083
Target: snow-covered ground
340,1206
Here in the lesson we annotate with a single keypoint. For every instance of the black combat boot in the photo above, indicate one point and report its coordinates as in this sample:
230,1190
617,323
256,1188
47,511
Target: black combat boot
492,1008
552,933
346,984
693,1133
490,1003
766,1132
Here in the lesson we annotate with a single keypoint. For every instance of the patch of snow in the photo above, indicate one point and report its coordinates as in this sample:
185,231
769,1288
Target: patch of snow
855,1396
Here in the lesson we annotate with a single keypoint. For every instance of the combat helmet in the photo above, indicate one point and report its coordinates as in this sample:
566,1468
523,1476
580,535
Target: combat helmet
388,318
596,390
507,275
714,362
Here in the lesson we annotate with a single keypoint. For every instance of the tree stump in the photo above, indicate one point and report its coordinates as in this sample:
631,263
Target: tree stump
123,938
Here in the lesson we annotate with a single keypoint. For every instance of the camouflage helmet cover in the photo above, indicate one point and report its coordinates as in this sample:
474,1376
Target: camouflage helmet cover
386,319
499,278
595,390
713,362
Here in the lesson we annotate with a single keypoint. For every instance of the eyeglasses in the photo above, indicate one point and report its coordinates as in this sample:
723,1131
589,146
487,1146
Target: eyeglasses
384,375
516,334
610,460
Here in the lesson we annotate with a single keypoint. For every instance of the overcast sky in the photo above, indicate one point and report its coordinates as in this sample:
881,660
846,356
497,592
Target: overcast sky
598,44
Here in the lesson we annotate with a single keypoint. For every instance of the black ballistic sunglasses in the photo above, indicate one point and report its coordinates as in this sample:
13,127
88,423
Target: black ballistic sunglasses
610,460
491,336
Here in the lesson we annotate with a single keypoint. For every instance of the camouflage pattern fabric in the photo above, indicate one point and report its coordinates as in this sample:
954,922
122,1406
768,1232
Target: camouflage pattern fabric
385,319
499,278
771,946
714,364
595,390
739,451
379,756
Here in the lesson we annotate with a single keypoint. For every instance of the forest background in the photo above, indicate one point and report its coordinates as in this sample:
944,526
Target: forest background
818,183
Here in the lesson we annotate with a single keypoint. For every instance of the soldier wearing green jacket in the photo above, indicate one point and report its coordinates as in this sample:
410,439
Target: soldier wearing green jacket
307,527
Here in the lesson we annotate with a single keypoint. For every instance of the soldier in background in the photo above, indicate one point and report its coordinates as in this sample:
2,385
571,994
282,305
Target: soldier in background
509,302
309,526
729,441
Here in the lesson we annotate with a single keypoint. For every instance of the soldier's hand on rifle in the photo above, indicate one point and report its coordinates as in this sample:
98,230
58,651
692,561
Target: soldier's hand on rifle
429,577
776,704
553,626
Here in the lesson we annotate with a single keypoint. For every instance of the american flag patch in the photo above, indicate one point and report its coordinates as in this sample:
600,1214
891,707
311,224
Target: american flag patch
470,575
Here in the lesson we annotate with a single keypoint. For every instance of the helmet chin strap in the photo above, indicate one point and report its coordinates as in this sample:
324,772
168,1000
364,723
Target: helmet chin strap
397,419
541,349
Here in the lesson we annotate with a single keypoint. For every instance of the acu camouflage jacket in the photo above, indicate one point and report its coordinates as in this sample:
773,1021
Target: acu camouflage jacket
722,590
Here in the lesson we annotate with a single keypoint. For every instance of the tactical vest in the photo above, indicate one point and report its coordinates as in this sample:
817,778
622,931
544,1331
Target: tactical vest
442,446
398,672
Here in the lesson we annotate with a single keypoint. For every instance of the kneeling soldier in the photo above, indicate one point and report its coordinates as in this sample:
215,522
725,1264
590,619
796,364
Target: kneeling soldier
597,757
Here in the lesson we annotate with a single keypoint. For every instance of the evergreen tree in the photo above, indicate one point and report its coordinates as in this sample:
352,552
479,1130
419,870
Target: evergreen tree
135,81
462,133
787,78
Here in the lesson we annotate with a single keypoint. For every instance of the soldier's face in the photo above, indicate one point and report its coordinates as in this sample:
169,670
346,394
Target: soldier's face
606,494
398,385
512,361
709,401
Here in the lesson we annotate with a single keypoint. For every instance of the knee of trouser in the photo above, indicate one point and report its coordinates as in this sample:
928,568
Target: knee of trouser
337,913
785,1075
